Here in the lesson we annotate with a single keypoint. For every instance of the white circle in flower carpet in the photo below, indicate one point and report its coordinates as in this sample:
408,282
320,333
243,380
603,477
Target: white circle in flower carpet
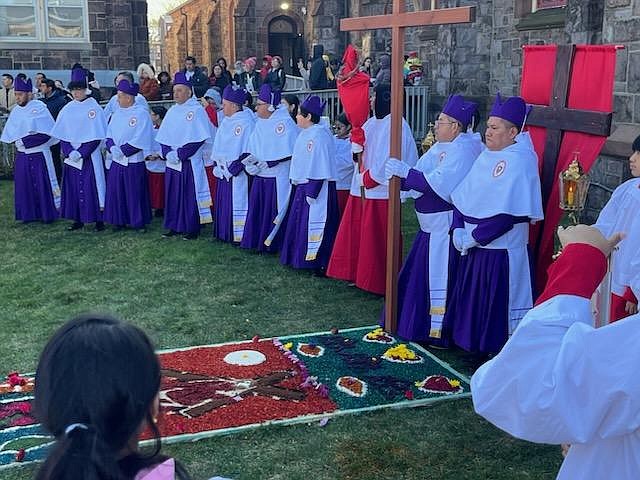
245,358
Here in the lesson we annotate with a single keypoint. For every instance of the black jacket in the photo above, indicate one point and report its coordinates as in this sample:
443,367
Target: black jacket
55,102
277,79
255,77
318,73
199,81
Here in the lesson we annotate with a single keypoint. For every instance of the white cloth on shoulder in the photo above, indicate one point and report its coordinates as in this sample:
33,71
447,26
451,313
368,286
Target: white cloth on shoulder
558,380
622,214
502,182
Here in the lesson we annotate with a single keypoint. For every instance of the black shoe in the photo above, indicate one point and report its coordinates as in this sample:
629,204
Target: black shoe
320,272
170,233
159,212
190,236
99,226
75,226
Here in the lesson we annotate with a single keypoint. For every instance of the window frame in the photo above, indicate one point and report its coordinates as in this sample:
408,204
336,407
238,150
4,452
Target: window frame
535,8
41,10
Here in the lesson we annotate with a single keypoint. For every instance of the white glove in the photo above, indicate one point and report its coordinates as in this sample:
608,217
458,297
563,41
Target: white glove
172,157
262,165
19,143
458,238
311,200
356,148
359,179
74,155
217,172
468,244
252,169
395,167
116,152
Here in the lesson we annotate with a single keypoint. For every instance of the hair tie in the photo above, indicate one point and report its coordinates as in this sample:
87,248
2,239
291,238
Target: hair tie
74,426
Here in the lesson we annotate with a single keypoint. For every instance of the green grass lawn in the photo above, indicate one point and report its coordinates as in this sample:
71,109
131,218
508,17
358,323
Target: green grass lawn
202,292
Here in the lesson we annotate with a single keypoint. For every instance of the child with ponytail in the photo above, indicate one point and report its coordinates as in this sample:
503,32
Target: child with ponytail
97,387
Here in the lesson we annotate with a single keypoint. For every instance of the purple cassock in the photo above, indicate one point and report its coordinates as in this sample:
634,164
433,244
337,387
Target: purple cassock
34,199
415,308
263,208
270,186
429,272
181,213
295,242
81,127
37,193
128,136
482,288
228,154
494,204
80,201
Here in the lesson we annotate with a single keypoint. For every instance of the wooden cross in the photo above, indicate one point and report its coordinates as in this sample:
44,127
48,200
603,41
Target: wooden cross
397,22
557,118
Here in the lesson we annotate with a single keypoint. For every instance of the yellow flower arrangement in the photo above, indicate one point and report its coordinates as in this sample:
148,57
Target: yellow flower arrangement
401,353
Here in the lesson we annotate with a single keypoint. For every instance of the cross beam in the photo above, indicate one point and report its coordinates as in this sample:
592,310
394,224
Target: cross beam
398,21
557,118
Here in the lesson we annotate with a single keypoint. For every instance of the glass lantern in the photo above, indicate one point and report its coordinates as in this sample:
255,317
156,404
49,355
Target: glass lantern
574,184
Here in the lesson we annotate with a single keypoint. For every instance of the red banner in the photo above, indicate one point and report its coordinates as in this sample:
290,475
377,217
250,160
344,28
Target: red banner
590,88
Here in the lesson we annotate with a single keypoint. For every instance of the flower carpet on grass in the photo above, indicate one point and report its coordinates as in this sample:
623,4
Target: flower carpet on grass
220,389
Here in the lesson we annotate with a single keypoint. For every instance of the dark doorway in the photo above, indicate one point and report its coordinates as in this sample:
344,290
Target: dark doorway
286,41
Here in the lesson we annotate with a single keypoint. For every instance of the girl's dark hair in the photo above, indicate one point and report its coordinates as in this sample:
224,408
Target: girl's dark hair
636,144
102,373
315,118
225,62
292,100
164,74
342,118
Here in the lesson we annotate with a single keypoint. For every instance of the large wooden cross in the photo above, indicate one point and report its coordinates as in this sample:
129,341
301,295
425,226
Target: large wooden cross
397,22
558,118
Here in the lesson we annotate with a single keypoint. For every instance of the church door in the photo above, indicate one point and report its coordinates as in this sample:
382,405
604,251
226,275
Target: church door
286,41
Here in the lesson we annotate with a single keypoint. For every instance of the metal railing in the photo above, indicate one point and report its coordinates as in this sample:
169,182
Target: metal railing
416,100
415,111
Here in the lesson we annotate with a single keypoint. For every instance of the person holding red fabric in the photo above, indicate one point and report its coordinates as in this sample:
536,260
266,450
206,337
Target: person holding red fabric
360,250
620,214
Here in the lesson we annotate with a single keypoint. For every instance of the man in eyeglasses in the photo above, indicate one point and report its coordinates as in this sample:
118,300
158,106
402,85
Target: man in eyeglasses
429,271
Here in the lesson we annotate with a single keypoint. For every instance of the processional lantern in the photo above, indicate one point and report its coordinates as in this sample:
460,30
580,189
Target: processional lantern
574,184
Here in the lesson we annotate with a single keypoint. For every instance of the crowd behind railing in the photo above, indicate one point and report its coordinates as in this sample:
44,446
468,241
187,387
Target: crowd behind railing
318,74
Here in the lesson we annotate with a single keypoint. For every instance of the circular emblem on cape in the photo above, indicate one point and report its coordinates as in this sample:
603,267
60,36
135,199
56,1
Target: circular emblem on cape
133,121
310,146
190,116
499,168
280,128
442,157
237,131
92,114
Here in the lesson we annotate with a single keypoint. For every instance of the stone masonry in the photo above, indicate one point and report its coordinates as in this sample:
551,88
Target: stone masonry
118,39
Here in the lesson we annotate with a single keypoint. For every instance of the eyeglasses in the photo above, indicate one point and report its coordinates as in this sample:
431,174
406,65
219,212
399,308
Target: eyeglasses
443,122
